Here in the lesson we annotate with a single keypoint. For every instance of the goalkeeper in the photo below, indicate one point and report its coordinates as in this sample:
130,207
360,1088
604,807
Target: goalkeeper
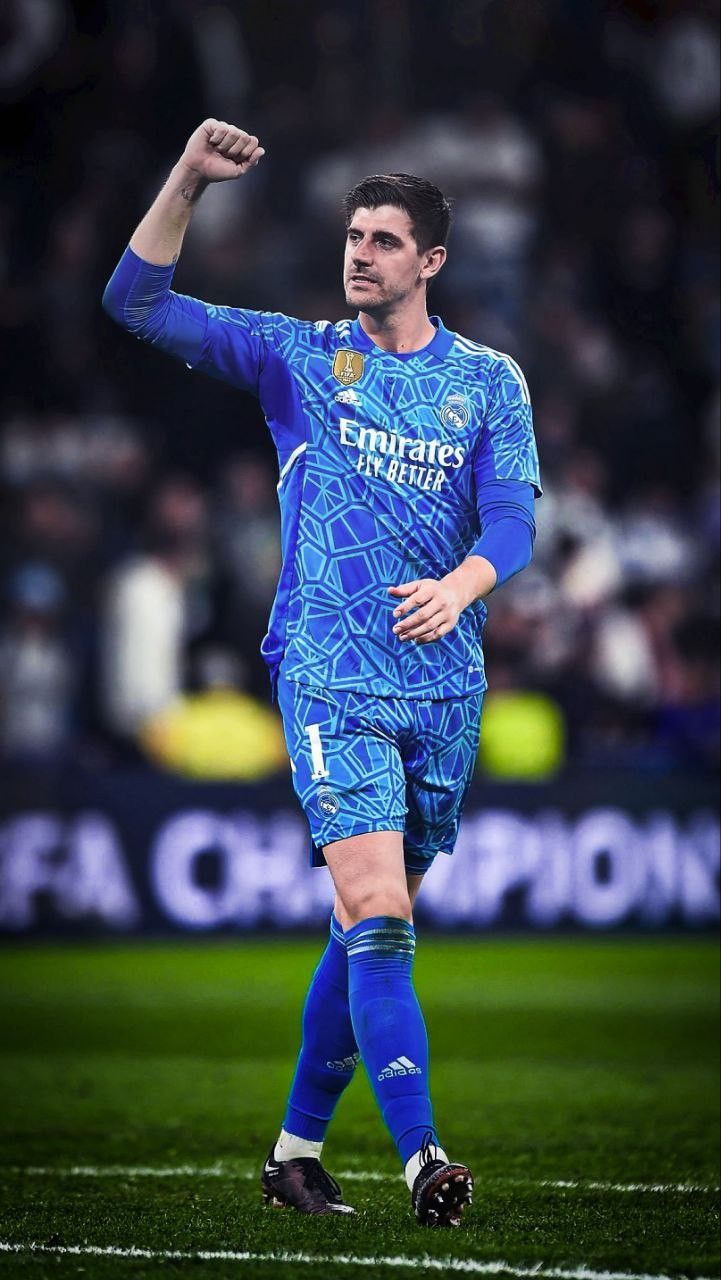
407,477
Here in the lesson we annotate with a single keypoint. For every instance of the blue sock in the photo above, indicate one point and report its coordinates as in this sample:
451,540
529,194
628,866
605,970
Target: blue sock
328,1053
389,1027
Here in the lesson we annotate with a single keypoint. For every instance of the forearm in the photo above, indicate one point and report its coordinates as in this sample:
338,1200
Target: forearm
158,239
504,548
506,510
474,578
215,152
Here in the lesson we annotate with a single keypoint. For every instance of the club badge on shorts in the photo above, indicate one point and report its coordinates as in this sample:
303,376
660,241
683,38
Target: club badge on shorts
328,802
348,366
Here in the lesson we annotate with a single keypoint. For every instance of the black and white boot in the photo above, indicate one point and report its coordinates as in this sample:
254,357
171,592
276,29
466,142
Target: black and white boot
441,1190
301,1184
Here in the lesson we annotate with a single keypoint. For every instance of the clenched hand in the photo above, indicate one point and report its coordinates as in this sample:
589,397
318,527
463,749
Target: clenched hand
218,151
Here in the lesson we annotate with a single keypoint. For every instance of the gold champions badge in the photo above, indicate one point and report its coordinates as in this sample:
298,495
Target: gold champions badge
348,366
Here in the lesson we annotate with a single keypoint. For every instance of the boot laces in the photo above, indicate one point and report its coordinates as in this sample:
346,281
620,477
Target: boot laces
429,1149
318,1179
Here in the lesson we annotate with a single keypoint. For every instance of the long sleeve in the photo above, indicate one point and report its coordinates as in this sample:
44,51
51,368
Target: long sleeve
138,297
508,527
230,343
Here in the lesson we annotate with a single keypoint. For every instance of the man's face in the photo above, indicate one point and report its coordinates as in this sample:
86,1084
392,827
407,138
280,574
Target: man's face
382,264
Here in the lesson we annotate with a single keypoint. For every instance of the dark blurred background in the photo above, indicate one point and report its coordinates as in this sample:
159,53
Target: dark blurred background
139,539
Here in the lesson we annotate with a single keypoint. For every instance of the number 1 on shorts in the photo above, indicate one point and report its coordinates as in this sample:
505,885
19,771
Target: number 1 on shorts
316,752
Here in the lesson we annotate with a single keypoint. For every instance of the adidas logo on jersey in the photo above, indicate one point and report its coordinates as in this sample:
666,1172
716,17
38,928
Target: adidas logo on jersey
400,1066
344,1064
348,396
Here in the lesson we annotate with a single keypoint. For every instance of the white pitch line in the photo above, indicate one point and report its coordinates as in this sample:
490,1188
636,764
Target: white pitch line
466,1266
179,1171
683,1188
132,1171
345,1175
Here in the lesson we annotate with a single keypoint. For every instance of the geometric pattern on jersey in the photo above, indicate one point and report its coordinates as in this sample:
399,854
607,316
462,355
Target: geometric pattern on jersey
380,764
378,485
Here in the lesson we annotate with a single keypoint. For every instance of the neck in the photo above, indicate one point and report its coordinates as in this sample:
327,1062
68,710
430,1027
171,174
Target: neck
398,332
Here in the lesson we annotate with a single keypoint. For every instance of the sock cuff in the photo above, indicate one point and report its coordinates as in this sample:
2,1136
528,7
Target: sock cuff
381,936
336,930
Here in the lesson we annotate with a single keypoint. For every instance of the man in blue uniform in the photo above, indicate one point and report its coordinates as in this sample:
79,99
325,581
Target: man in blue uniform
407,478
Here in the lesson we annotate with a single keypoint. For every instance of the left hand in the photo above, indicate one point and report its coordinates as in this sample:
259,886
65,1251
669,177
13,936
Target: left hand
437,607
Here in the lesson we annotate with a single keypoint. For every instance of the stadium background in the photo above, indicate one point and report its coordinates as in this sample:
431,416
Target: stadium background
139,539
146,815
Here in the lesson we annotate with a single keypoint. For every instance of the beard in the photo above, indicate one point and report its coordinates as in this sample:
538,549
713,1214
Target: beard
370,298
373,298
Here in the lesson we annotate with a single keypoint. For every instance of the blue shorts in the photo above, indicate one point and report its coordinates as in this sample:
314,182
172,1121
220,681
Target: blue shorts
361,763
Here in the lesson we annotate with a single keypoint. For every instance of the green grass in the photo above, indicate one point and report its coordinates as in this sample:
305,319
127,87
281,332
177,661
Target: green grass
574,1060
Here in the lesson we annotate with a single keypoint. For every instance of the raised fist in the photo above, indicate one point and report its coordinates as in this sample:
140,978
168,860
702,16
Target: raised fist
218,151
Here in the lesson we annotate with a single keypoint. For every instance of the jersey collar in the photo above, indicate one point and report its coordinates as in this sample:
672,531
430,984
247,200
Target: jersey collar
439,346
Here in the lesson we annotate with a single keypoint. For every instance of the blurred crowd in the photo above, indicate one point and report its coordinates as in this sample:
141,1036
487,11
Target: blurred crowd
139,528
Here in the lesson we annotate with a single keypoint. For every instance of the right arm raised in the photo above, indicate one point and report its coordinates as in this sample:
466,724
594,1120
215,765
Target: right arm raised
138,295
216,152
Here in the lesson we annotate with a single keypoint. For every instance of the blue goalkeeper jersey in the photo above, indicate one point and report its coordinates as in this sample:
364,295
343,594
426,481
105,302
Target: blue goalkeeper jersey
381,460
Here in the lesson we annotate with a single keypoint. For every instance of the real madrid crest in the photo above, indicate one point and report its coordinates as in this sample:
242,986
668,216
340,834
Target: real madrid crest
328,802
455,412
348,366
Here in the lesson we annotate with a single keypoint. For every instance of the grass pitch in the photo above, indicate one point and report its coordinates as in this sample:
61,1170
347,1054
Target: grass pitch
141,1085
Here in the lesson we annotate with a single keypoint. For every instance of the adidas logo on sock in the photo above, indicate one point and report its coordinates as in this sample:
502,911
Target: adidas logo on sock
344,1064
400,1066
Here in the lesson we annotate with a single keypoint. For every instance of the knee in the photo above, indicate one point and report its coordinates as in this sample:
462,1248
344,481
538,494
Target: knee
378,900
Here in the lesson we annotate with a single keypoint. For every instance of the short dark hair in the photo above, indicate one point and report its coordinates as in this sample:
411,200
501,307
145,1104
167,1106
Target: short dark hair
427,207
